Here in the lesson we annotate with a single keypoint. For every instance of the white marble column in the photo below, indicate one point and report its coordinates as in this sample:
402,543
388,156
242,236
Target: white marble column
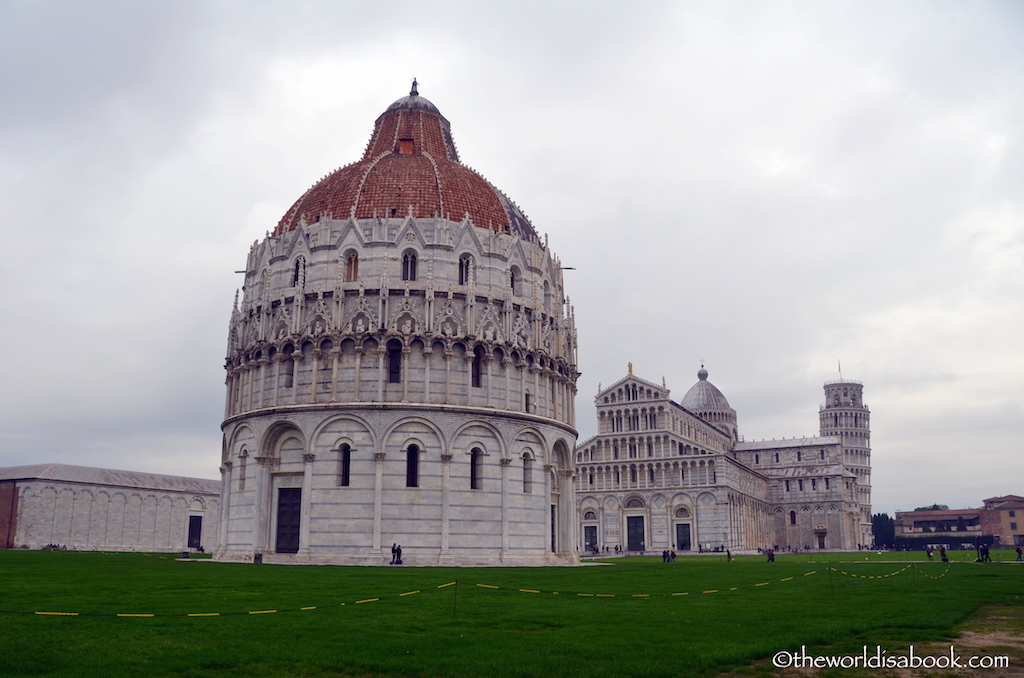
446,467
378,491
359,371
317,354
264,502
335,356
406,356
505,464
225,506
307,502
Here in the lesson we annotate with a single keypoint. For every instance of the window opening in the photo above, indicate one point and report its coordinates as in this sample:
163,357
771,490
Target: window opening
477,366
474,468
289,366
395,361
409,266
352,268
346,465
412,466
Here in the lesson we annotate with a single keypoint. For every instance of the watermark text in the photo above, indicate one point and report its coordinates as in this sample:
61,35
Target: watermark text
881,658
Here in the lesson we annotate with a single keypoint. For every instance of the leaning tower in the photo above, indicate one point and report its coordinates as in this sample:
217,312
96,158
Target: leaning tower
844,414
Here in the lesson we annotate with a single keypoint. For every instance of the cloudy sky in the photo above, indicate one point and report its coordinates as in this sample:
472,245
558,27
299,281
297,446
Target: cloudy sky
770,188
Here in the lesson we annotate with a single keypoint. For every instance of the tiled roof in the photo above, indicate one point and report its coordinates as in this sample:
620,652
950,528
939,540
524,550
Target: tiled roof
803,472
788,442
111,477
410,164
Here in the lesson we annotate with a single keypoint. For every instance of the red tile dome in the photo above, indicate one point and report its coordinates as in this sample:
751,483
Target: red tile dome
410,167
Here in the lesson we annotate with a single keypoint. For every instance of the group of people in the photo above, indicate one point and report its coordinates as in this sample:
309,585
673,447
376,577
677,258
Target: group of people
54,547
668,556
396,554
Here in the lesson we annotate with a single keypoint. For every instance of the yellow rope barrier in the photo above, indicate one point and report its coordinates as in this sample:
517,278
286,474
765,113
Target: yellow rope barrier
497,588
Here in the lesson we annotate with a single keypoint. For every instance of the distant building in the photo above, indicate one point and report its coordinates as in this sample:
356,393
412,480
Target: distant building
661,475
999,522
1003,519
949,527
98,509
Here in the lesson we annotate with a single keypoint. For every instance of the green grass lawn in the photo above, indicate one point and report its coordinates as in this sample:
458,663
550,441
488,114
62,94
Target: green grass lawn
630,625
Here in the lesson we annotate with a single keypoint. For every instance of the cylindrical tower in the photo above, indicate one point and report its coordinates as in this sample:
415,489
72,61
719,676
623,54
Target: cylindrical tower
844,414
401,369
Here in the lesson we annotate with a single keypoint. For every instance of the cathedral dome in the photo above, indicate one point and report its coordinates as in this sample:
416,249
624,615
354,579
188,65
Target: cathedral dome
410,168
704,396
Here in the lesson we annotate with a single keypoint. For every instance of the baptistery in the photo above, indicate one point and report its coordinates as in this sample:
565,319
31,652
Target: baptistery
401,370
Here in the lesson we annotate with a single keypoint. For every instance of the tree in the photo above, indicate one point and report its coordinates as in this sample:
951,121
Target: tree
884,528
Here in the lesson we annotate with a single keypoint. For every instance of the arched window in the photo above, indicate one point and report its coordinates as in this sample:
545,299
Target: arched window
526,402
515,280
409,266
289,366
412,466
299,273
475,458
792,517
634,503
241,469
345,470
352,267
478,359
527,474
394,361
589,515
465,269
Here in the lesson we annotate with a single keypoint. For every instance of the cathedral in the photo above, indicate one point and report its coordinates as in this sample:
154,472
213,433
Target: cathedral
401,370
665,476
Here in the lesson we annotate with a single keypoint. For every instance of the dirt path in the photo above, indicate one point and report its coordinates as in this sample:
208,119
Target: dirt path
993,631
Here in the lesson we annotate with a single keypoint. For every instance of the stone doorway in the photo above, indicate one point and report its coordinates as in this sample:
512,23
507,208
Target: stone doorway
289,512
683,537
635,533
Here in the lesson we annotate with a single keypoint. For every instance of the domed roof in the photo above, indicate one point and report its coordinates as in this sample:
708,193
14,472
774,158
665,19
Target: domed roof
704,396
410,167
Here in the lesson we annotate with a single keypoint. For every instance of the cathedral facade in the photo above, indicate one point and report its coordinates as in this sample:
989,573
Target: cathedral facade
401,370
661,475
